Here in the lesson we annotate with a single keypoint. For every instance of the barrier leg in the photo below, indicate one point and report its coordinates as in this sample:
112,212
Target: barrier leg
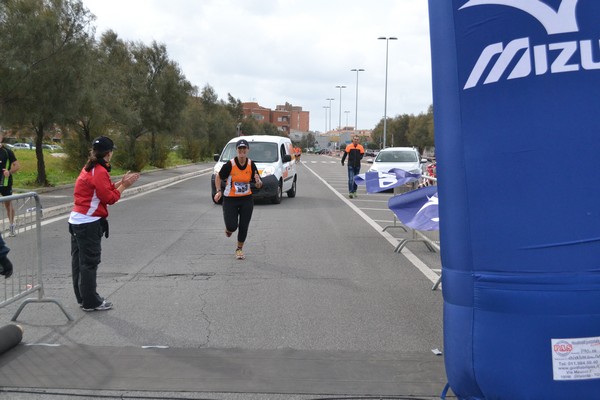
437,283
45,300
403,243
394,226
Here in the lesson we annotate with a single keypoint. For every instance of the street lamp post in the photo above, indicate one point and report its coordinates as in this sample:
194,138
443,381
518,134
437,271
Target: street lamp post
326,114
340,121
356,107
387,41
330,99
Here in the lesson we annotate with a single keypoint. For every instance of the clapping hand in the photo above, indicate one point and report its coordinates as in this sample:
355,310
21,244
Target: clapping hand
129,179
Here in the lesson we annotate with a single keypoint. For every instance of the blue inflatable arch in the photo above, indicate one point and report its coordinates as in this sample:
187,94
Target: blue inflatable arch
517,124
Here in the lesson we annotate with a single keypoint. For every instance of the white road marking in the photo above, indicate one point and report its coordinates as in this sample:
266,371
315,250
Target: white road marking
410,256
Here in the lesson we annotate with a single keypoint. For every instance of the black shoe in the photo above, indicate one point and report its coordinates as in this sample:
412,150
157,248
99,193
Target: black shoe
7,267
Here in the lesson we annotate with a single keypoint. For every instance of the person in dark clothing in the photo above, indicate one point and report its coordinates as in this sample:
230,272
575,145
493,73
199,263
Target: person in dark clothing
8,166
238,203
355,152
7,267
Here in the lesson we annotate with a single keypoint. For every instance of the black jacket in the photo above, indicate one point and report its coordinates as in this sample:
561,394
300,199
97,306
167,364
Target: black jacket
355,153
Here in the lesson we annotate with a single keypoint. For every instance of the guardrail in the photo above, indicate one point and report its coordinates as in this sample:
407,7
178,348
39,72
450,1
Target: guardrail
25,253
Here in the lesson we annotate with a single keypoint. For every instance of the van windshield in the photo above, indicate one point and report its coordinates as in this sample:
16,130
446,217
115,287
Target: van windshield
260,152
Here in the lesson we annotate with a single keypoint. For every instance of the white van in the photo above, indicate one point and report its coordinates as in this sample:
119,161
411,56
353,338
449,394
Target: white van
274,157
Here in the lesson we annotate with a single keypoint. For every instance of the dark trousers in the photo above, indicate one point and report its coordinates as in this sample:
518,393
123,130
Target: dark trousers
352,172
85,257
3,248
237,212
5,264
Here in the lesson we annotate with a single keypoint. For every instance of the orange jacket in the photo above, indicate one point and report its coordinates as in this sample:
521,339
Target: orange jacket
355,154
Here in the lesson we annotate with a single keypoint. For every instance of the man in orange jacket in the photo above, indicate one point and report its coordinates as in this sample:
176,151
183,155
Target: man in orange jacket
355,153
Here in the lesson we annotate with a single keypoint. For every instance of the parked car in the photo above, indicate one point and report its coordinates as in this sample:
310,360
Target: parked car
52,147
276,163
406,158
23,146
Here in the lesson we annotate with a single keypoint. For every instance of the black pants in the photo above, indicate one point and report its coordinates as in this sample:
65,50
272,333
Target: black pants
237,212
3,248
85,257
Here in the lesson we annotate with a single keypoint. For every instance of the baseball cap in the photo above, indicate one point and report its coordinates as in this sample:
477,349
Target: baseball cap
242,143
102,143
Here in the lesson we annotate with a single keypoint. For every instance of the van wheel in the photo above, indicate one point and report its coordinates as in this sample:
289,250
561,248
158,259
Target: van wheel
277,198
292,192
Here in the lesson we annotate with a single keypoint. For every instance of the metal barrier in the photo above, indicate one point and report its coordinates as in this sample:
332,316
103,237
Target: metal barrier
25,253
429,239
399,190
432,243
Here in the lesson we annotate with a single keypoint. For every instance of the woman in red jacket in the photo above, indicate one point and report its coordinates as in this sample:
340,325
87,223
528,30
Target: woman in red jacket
94,191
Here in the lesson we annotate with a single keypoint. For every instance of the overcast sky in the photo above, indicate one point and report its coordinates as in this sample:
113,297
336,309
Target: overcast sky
295,51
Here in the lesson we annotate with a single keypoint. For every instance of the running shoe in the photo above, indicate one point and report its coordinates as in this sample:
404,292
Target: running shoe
102,307
239,254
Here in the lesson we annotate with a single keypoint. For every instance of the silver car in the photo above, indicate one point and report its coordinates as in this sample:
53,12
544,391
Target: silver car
23,146
406,158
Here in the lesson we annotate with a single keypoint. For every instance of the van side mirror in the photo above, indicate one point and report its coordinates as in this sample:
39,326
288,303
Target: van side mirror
287,158
216,157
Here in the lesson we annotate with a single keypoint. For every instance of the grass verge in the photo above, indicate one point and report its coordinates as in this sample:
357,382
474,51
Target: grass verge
57,174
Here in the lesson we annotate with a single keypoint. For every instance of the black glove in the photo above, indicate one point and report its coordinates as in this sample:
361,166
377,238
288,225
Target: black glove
342,163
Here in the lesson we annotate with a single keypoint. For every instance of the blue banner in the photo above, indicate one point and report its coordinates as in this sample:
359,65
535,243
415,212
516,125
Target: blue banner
417,209
379,181
515,94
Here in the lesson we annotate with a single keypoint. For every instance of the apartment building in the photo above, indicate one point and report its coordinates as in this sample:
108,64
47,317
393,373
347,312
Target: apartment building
286,117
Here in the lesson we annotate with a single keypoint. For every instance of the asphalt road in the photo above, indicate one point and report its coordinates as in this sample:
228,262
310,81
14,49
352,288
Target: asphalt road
321,287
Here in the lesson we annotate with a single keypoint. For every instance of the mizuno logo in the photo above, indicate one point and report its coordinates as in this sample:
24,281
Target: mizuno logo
561,21
519,59
541,59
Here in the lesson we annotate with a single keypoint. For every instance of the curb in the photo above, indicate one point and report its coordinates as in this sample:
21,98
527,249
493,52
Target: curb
66,208
45,189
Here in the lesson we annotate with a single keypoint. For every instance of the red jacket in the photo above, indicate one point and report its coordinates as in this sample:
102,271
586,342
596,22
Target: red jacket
94,191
